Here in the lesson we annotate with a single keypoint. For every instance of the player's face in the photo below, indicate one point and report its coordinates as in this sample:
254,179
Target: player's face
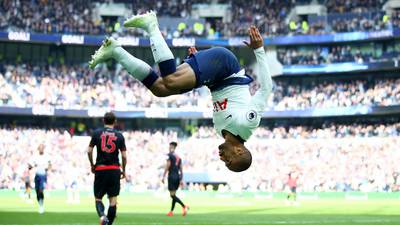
226,153
171,148
41,149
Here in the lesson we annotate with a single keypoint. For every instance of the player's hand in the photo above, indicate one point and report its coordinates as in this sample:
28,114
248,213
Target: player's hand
93,169
162,180
256,40
192,50
123,175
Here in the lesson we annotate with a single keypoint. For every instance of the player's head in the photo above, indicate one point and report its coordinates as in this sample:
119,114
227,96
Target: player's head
172,146
236,156
109,119
41,149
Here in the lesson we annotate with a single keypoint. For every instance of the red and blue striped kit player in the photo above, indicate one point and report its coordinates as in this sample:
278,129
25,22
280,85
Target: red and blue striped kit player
236,113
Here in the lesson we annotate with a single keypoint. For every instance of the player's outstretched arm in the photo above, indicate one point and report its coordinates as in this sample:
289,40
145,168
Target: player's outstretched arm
264,75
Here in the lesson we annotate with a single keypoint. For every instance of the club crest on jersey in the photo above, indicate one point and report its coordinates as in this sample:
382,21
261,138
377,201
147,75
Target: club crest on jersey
251,115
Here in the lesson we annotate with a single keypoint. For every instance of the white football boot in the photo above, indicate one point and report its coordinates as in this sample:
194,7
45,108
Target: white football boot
145,21
104,52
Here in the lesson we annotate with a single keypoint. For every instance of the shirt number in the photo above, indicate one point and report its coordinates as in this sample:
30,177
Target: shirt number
108,142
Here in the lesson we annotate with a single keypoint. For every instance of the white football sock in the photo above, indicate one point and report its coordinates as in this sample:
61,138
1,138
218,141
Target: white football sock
135,67
159,47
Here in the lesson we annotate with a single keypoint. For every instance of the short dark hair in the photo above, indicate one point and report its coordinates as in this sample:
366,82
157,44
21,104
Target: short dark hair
109,118
242,162
173,143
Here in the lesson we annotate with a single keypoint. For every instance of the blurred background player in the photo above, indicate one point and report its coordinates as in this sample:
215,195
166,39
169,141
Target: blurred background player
109,142
175,174
41,163
291,198
27,180
236,112
73,195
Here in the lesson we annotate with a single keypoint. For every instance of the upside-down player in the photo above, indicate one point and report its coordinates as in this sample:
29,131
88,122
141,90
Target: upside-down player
107,171
236,113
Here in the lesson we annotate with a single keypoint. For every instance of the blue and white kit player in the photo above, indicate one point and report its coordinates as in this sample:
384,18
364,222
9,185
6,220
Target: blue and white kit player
42,164
236,113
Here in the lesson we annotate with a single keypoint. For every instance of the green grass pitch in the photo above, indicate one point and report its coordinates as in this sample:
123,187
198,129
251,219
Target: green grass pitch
143,209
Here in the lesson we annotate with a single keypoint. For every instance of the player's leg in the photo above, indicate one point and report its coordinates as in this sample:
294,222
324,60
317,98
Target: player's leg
161,52
173,185
173,202
181,81
28,190
112,210
288,195
39,186
294,194
180,78
76,194
100,211
99,192
113,188
135,67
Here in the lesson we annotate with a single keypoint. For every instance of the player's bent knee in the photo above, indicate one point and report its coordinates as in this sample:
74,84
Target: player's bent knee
113,201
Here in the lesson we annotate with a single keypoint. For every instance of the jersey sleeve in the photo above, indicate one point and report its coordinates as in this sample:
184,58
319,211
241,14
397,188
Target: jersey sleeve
122,146
264,78
169,157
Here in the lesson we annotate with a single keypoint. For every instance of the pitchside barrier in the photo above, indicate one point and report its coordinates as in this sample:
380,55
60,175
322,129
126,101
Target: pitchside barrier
193,112
96,40
308,196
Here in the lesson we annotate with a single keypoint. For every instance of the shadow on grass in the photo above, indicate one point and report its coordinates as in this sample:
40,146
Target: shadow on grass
217,218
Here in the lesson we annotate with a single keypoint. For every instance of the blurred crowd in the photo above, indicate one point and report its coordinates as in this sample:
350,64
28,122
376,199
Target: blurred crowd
334,54
45,16
77,87
80,17
331,94
358,6
330,158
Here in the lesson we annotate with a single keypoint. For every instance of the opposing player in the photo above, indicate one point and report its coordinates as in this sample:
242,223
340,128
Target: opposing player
107,170
42,164
292,184
175,174
236,113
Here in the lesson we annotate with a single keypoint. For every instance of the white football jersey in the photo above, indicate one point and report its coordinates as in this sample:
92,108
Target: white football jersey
235,110
41,163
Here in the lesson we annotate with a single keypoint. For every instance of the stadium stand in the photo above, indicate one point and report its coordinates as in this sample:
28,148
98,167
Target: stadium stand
78,17
334,54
